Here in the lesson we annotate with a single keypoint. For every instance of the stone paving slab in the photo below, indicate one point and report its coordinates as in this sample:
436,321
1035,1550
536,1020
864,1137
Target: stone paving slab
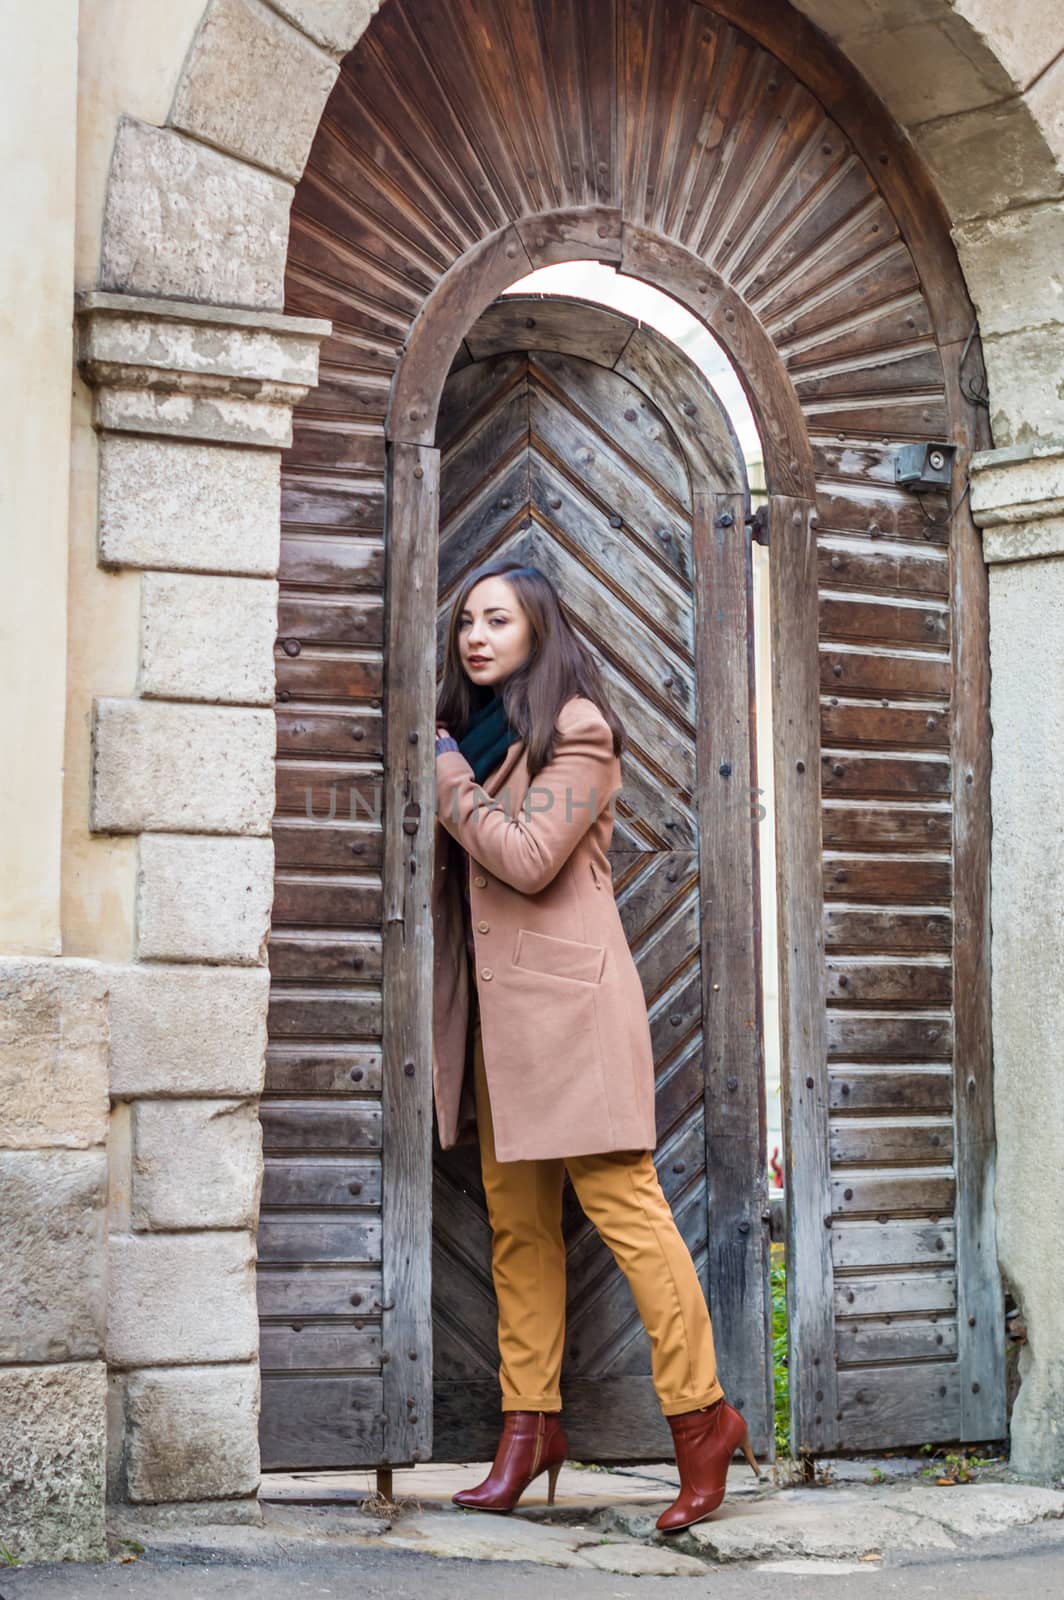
605,1521
481,1536
977,1510
830,1524
837,1524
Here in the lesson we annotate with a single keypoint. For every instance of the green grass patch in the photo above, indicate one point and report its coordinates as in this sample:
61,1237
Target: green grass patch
780,1372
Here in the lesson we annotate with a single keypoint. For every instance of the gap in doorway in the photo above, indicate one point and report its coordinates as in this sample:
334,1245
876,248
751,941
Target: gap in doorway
601,284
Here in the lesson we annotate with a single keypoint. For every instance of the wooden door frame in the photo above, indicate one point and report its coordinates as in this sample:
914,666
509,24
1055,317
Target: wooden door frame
375,241
728,853
411,546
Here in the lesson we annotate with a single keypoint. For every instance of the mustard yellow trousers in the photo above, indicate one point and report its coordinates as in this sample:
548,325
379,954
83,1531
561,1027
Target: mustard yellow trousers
620,1194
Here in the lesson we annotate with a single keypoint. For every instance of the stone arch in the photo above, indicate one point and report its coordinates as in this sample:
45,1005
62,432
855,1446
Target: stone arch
198,208
796,223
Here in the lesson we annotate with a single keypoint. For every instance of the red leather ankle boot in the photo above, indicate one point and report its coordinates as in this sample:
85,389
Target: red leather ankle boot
705,1442
532,1442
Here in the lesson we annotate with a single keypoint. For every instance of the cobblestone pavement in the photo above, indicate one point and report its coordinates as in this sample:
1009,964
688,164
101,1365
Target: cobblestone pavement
327,1533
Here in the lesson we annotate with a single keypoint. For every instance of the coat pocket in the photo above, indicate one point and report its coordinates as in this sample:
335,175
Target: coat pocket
559,958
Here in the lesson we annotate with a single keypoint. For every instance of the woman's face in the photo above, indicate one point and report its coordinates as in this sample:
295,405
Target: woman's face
494,634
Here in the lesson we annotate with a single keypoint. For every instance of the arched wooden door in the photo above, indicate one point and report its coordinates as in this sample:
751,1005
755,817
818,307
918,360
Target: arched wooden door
724,151
556,448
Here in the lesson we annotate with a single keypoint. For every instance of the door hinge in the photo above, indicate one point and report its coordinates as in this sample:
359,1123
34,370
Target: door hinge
758,525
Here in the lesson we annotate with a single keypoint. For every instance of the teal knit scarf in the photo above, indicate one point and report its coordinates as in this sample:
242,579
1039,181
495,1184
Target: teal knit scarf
487,738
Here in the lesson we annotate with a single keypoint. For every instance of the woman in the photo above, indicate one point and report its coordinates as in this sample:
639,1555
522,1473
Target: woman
560,1076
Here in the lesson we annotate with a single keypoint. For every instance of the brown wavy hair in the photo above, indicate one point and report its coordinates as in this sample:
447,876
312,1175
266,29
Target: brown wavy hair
559,666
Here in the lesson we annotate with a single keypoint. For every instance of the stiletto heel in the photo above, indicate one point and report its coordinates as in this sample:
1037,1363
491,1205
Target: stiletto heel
744,1446
705,1441
532,1442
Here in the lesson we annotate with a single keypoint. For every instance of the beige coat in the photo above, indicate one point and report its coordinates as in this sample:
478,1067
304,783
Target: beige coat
567,1047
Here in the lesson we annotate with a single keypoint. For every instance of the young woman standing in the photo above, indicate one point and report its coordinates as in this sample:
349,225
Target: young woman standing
532,961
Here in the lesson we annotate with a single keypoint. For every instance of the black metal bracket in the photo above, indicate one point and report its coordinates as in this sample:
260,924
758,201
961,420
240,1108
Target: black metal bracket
758,525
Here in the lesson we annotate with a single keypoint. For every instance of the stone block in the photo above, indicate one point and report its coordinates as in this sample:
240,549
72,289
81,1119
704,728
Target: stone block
120,1168
846,1524
990,1508
336,24
136,339
189,507
188,222
246,55
989,160
52,1285
924,70
175,370
178,1516
1027,971
204,638
1018,500
845,19
1045,98
1025,38
1025,374
188,1030
1023,541
984,42
186,409
203,899
1012,265
196,1164
52,1448
1017,484
162,768
192,1433
177,1298
53,1053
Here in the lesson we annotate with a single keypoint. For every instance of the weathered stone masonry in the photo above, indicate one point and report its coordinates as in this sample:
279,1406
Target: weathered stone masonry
193,406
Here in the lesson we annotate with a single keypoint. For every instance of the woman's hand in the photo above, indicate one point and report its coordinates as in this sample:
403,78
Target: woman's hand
444,741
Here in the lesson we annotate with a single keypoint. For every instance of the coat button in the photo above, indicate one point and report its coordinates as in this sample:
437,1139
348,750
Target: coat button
481,883
485,972
482,927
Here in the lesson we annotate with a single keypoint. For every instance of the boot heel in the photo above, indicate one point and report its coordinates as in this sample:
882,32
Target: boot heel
552,1481
744,1446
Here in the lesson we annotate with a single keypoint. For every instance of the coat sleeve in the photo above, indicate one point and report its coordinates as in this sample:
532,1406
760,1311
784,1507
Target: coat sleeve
528,845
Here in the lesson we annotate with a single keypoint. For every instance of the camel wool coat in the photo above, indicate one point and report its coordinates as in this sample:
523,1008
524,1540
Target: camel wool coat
564,1026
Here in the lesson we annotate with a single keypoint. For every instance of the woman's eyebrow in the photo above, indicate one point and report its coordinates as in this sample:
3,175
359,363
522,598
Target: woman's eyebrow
465,612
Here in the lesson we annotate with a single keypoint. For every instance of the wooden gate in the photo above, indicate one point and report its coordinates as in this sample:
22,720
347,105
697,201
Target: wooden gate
727,154
578,441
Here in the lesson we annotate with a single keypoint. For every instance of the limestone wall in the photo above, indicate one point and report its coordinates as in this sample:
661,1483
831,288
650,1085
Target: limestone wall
53,1178
1018,498
36,306
192,407
53,1015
